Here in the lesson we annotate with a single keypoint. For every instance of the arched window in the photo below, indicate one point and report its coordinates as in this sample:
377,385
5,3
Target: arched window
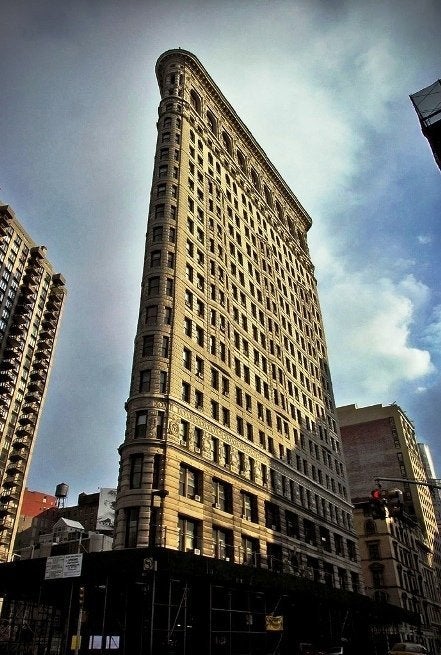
268,196
227,141
279,210
195,101
241,161
212,122
255,179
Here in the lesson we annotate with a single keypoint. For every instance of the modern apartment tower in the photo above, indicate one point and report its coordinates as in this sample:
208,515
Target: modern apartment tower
31,300
427,104
231,449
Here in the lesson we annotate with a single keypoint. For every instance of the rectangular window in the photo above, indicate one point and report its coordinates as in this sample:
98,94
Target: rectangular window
131,531
147,345
188,534
188,327
153,286
165,346
145,378
163,382
215,410
157,233
199,367
214,449
184,431
250,551
185,392
215,378
136,465
200,335
151,314
222,495
155,258
186,359
160,420
189,481
141,424
198,436
198,399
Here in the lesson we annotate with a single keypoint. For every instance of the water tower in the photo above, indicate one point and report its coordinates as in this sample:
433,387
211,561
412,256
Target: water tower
61,492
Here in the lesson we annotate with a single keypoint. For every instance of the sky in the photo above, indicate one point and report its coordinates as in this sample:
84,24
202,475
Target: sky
324,86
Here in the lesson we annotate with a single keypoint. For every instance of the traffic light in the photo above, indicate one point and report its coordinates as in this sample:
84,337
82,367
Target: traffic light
378,504
81,596
395,502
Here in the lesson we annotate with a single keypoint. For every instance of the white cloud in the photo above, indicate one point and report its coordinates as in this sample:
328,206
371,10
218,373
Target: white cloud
432,334
368,321
424,239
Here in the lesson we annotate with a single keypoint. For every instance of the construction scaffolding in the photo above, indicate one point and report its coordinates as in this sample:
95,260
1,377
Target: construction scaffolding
162,602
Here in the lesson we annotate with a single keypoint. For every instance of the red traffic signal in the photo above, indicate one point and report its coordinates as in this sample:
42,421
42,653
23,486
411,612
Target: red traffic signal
378,504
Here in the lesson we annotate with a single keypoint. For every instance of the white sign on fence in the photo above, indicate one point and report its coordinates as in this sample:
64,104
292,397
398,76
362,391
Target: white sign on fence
63,566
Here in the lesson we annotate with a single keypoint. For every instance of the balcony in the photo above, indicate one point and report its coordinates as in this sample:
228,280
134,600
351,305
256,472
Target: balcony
23,306
27,419
18,456
11,353
20,318
32,398
47,334
30,408
30,284
14,341
15,467
8,365
17,329
7,496
6,217
31,277
36,385
54,302
49,322
41,365
7,376
36,376
22,433
6,524
38,252
4,399
58,280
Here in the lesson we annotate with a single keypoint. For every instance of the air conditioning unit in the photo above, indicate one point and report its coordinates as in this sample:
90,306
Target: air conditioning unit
183,442
274,527
198,498
196,551
245,517
197,449
216,505
227,559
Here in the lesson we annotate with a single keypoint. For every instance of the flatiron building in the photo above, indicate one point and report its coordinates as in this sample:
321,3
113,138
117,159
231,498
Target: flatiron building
232,449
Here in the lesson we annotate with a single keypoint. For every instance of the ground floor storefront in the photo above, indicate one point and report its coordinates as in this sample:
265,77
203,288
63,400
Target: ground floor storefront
161,602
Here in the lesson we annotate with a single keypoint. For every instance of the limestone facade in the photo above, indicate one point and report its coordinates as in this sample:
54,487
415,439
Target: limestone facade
232,448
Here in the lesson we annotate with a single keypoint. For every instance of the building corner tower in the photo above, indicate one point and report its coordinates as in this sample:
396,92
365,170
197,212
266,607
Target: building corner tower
231,448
